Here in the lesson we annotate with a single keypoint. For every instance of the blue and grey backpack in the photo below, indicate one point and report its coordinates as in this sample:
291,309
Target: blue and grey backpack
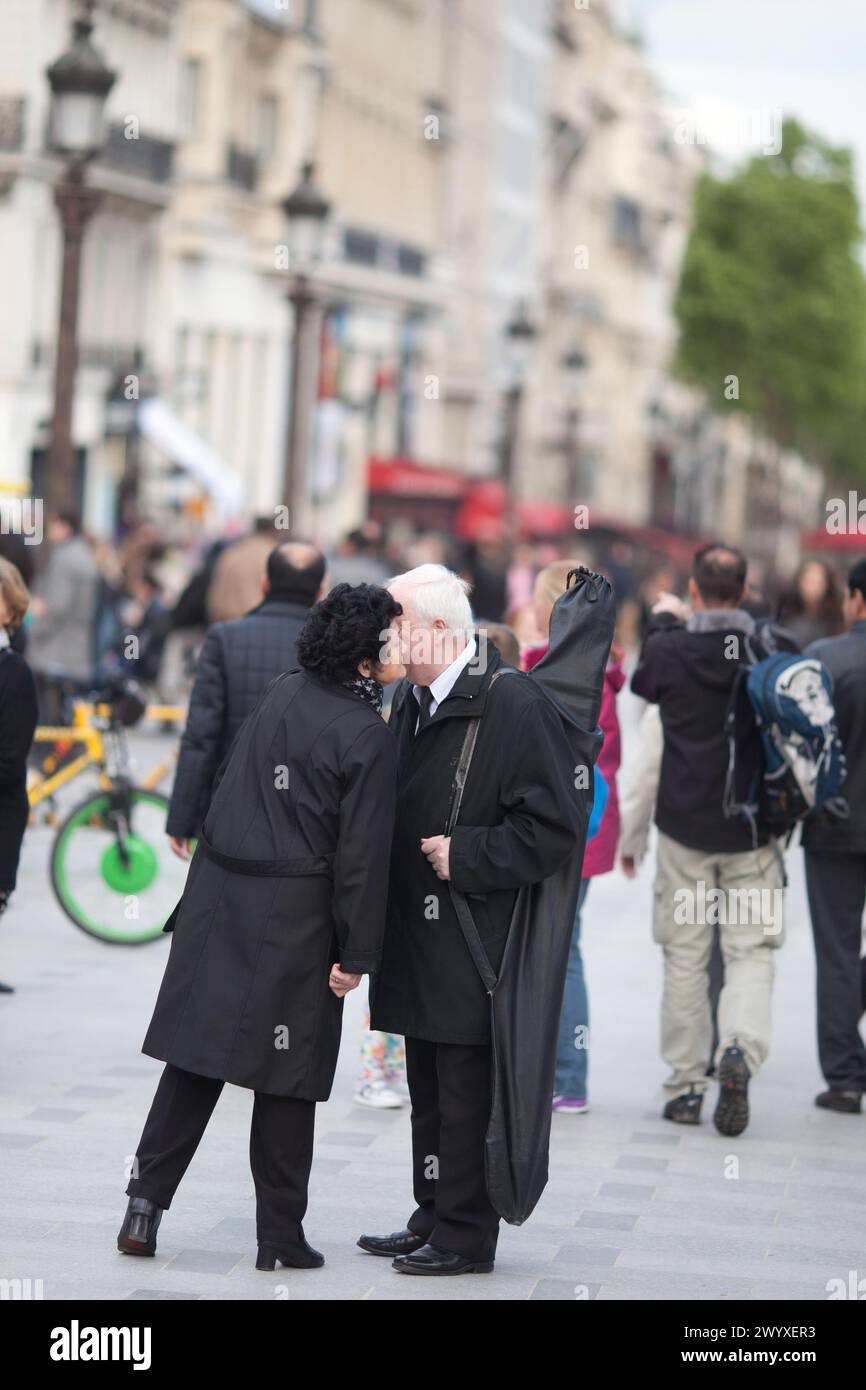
791,699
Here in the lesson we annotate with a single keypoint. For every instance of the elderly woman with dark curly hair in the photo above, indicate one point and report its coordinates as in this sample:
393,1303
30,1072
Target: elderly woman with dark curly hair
282,914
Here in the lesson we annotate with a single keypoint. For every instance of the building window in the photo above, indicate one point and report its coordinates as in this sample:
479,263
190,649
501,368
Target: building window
627,222
360,247
241,167
190,97
410,261
267,127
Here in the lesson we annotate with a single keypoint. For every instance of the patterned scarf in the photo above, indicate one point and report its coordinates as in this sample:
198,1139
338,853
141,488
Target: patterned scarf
366,689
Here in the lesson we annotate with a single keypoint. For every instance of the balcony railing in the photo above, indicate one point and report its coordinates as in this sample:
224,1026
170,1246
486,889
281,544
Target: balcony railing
143,158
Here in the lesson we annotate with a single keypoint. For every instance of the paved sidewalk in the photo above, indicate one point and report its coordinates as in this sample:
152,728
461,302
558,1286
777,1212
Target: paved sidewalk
636,1208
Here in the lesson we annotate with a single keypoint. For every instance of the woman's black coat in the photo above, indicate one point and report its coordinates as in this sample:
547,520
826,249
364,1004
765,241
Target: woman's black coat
17,723
521,819
299,831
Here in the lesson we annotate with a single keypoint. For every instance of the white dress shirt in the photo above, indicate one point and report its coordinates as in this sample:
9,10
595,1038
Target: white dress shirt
441,688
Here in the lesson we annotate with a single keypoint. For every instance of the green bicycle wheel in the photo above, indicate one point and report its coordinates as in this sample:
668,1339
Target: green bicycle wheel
124,900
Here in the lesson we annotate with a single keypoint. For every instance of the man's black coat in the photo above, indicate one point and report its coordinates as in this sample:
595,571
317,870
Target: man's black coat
519,822
237,661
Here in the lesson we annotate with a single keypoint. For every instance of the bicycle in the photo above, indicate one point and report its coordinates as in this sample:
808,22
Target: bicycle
111,867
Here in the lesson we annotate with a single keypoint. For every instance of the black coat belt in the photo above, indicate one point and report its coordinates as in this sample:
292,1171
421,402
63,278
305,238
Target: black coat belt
267,868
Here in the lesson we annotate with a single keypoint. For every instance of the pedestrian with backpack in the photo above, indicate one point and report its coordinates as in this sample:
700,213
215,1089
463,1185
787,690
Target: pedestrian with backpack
716,868
836,869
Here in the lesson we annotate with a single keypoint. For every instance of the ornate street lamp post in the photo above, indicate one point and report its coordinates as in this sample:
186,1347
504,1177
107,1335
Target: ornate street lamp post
80,83
307,212
520,334
575,366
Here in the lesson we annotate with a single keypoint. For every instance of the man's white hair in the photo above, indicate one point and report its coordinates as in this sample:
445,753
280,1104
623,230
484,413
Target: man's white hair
437,593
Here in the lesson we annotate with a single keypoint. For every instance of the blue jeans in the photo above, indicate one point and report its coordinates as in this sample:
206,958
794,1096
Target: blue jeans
572,1053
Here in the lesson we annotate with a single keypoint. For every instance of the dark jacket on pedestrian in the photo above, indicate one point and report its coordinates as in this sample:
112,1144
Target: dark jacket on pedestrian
17,724
289,879
845,659
518,824
688,670
237,661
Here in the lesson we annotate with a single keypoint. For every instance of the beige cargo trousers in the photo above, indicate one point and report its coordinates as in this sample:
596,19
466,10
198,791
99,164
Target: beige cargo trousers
742,893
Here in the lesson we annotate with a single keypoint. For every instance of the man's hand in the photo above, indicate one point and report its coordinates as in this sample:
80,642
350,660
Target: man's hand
628,866
436,848
181,847
340,982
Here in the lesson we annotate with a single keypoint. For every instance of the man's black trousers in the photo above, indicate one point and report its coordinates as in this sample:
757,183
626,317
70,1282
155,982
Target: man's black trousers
281,1149
837,893
450,1086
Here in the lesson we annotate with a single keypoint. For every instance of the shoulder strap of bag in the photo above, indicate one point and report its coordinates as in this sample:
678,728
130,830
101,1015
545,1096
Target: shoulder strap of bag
488,975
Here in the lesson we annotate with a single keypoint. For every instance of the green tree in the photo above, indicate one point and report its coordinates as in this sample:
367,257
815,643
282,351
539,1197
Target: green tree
772,291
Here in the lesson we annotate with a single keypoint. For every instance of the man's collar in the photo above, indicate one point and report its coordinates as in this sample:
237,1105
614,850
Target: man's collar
441,687
720,620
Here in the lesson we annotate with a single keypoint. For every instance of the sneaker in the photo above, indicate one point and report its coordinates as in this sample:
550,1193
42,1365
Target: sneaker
564,1105
685,1109
732,1110
377,1096
844,1102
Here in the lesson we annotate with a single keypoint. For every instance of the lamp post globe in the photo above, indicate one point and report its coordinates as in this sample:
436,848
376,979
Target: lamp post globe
307,213
80,81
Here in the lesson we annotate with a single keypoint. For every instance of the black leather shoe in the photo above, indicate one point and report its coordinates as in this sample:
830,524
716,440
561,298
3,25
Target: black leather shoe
137,1235
430,1260
732,1110
397,1243
685,1109
845,1102
6,989
295,1254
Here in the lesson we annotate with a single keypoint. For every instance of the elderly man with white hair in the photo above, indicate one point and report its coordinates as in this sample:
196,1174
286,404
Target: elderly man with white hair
517,826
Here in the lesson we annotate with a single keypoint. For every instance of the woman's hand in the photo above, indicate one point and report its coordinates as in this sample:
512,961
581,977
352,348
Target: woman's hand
436,848
181,847
341,983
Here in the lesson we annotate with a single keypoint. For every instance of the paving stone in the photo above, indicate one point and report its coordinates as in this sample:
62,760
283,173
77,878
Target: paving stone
48,1114
574,1254
626,1191
607,1220
204,1261
155,1296
649,1165
348,1138
564,1291
93,1092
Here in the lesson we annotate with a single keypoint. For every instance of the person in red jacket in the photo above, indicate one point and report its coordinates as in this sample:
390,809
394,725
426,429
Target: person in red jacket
572,1057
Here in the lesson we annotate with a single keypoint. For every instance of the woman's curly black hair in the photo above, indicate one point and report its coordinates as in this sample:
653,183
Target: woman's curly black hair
343,629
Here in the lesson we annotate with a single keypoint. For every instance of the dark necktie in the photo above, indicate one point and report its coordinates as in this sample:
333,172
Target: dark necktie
426,701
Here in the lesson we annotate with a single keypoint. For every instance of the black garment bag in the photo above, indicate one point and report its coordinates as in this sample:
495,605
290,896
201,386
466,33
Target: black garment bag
526,995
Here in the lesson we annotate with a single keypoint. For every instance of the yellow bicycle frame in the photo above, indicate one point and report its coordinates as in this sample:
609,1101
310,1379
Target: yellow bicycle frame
84,731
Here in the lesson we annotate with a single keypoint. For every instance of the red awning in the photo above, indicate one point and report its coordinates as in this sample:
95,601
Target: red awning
819,539
482,514
401,478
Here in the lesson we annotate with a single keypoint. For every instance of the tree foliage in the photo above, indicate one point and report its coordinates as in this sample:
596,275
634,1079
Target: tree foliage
772,291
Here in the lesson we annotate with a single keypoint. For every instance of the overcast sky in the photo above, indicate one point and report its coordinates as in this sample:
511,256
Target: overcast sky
730,58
